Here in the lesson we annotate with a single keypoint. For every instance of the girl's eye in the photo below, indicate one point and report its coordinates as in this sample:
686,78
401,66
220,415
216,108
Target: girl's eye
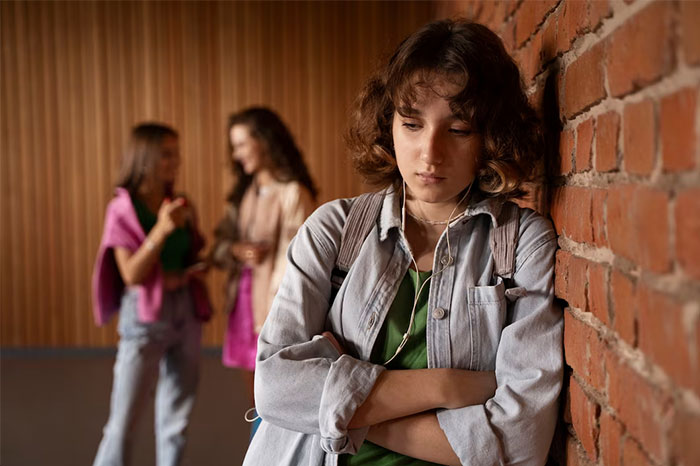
460,132
410,126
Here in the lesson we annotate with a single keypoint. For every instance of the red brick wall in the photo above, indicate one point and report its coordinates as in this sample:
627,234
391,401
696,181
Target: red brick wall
617,84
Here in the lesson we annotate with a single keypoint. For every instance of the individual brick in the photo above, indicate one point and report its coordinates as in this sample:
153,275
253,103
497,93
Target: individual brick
583,349
577,283
571,213
677,122
685,446
598,279
630,209
583,81
623,292
606,141
639,52
690,33
530,58
687,213
584,417
561,273
584,140
573,22
610,439
643,408
639,136
663,336
566,151
599,199
529,17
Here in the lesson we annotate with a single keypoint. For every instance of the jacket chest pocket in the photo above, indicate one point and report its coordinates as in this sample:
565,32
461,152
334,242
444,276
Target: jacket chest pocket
487,317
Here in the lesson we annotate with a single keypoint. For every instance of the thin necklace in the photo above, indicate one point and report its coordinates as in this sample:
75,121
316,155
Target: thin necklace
433,222
425,220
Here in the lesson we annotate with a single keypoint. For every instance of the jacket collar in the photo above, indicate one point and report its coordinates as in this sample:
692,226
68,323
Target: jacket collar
390,212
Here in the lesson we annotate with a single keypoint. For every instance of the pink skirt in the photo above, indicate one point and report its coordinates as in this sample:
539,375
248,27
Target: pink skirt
241,341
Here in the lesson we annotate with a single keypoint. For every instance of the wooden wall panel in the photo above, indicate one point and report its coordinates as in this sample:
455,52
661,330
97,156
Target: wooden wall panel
75,76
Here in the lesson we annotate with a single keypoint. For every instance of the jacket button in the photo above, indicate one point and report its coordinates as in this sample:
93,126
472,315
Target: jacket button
439,313
372,320
446,260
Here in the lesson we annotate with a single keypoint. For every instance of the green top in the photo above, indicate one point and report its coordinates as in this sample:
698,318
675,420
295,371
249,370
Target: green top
173,256
414,355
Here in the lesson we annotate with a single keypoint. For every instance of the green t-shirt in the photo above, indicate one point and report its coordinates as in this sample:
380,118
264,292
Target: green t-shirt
413,356
173,256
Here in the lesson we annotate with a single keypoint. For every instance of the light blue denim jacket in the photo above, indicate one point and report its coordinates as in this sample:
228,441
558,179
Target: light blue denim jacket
306,392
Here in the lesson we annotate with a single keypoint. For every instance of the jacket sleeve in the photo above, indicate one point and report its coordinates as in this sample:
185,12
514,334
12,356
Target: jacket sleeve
297,205
516,426
302,383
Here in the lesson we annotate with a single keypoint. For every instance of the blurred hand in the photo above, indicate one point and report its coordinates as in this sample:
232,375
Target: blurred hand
198,270
171,215
182,214
249,252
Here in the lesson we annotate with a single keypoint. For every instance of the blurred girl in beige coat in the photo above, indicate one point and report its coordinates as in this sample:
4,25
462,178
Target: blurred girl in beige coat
272,196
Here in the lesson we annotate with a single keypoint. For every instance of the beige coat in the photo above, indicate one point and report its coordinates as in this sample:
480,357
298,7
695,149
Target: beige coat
273,215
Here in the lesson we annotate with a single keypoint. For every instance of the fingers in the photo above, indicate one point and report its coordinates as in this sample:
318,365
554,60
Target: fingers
198,267
255,254
249,254
176,210
197,271
176,205
171,205
333,341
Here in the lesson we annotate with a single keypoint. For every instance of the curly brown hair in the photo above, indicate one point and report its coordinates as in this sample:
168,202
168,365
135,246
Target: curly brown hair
491,100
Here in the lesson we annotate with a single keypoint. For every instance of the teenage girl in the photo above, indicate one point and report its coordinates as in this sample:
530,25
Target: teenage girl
272,196
147,270
442,345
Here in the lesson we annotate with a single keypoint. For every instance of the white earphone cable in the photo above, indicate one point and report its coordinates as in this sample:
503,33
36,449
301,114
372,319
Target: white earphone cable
450,259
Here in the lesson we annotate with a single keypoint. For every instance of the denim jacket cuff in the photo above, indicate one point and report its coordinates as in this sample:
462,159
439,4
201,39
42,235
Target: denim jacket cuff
347,385
483,447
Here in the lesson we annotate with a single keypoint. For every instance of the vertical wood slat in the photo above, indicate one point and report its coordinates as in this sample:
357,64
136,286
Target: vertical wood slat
76,76
14,294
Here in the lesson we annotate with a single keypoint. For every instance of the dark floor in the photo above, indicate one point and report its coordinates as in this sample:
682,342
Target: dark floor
53,406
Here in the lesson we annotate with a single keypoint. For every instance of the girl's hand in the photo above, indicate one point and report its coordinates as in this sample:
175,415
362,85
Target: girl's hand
183,214
171,215
197,270
250,253
334,341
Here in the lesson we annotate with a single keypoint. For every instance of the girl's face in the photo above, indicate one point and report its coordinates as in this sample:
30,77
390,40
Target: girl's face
168,164
436,152
247,150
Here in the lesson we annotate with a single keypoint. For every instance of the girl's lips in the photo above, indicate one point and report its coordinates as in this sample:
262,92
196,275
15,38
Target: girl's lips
429,178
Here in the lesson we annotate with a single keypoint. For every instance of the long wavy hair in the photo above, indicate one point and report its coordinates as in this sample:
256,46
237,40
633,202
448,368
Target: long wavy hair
491,100
142,153
280,149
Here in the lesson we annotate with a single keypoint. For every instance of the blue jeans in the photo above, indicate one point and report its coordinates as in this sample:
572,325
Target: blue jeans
164,354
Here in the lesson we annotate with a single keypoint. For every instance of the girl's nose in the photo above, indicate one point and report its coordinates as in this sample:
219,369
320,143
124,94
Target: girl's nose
431,149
